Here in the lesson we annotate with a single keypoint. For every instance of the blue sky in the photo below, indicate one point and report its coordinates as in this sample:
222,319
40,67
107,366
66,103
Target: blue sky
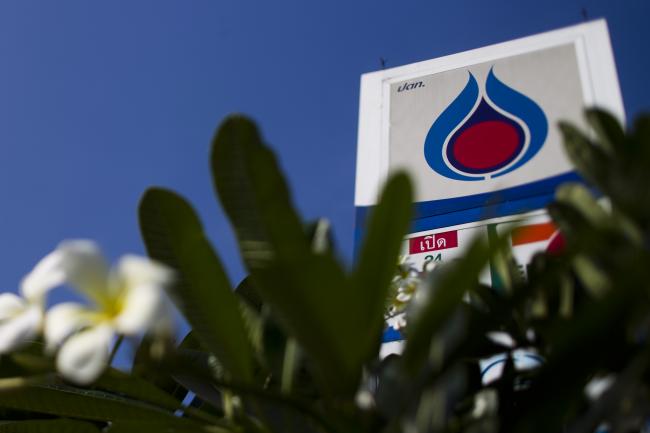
99,100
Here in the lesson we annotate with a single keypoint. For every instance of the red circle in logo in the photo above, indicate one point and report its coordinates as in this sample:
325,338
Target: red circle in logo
487,145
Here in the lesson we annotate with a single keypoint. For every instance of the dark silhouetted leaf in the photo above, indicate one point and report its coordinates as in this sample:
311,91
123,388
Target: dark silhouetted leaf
306,287
607,127
173,235
68,401
443,295
377,258
48,426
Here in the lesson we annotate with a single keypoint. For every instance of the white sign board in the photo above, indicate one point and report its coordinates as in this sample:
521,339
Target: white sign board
477,132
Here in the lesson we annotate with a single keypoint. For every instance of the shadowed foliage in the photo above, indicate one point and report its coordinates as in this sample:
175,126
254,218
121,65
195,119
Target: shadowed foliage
295,346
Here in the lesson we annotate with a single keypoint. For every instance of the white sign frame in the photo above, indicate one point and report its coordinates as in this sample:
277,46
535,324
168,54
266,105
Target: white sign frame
595,63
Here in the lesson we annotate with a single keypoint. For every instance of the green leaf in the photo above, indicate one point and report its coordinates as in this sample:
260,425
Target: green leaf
335,319
621,175
196,370
590,160
578,196
378,255
48,426
440,300
254,325
577,352
248,293
255,196
68,401
132,386
593,279
149,364
203,388
571,222
641,134
27,361
173,235
164,427
608,129
306,289
309,300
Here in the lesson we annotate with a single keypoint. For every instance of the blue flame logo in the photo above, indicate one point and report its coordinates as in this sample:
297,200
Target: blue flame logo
477,137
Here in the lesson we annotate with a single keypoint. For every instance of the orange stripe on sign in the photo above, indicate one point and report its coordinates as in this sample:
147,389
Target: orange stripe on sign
532,233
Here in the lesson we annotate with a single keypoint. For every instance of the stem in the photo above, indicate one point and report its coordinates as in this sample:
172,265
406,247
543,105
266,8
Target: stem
228,407
288,401
116,346
289,366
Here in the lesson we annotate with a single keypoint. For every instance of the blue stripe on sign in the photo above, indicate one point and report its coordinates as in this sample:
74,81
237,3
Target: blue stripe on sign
482,213
429,215
435,207
391,334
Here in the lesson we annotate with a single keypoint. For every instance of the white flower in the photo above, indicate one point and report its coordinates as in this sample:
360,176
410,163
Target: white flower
21,318
598,386
128,300
20,321
501,338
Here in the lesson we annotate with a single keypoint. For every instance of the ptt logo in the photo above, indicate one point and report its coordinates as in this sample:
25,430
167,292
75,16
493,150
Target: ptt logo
483,135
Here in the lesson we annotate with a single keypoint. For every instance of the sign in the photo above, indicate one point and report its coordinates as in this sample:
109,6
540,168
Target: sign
433,242
477,132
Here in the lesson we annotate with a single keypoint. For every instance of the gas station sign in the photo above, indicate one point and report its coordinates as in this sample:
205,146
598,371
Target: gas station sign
477,132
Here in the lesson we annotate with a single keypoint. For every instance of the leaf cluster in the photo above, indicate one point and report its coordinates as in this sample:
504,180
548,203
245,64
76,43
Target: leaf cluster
295,345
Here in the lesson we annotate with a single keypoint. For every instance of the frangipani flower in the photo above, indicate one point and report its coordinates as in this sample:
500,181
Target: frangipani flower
20,321
128,300
21,318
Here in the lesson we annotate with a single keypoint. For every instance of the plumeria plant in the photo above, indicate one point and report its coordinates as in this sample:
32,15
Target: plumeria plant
295,346
125,301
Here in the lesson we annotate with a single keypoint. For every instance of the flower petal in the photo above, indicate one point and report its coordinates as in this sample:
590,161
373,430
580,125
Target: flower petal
143,282
23,326
598,386
143,306
501,338
46,275
61,321
85,355
11,305
163,324
84,265
77,262
136,271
